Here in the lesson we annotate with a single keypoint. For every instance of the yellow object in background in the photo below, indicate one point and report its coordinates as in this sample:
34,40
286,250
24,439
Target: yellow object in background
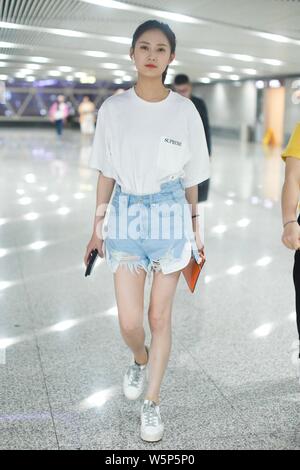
269,138
293,147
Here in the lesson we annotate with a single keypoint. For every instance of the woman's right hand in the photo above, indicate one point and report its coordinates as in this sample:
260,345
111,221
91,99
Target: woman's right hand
95,242
291,236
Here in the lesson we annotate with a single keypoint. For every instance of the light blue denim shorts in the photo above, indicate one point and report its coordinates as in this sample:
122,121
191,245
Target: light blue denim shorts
152,231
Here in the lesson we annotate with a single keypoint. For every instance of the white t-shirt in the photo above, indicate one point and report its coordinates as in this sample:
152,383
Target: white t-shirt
142,144
59,113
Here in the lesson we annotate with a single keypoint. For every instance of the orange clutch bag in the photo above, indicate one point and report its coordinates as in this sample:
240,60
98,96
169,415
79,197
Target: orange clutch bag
192,270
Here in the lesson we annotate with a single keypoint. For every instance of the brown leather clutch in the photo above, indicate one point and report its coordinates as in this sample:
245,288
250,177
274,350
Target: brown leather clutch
192,270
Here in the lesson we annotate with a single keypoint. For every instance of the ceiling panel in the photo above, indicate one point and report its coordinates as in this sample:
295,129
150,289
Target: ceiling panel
229,30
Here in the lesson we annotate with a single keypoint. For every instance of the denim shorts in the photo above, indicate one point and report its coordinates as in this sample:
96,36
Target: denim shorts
152,231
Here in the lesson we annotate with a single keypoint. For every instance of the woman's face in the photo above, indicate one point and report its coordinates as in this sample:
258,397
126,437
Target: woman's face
152,47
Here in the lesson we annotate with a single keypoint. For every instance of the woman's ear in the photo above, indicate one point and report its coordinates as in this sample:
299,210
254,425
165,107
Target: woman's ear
172,57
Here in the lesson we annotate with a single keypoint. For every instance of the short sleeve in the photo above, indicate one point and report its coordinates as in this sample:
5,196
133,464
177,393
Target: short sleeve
100,158
197,168
293,147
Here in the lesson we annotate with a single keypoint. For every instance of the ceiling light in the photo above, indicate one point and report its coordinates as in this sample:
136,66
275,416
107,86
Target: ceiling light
176,17
9,44
272,62
67,32
109,4
109,65
250,71
65,68
119,40
95,54
242,57
274,84
259,84
234,77
273,37
209,52
204,80
33,66
214,75
42,60
88,79
119,73
80,74
54,73
226,68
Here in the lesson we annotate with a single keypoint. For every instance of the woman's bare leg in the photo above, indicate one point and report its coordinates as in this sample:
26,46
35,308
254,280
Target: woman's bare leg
129,291
160,315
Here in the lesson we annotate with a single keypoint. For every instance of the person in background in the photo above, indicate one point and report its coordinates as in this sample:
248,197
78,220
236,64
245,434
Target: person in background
183,86
58,113
290,207
87,116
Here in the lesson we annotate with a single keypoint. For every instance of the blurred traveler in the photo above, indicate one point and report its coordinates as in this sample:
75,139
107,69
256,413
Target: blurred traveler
58,113
183,86
87,116
290,207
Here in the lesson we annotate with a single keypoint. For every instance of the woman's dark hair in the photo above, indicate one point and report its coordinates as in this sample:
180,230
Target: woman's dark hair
164,28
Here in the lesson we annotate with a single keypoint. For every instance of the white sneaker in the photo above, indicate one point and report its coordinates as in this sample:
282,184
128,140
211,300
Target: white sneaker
152,427
134,380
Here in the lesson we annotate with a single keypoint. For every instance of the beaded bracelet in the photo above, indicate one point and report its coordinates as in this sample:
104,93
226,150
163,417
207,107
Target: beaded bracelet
289,222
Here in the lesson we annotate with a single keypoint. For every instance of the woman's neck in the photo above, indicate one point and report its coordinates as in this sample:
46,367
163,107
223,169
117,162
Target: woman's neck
151,90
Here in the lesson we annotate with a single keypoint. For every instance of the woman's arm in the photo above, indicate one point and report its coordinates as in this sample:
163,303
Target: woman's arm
191,195
289,203
104,191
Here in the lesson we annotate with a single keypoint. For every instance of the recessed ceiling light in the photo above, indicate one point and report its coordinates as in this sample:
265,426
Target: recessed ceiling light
273,37
109,65
225,68
119,40
67,32
65,68
274,84
250,71
272,62
33,66
243,57
214,75
42,60
234,77
88,79
119,73
209,52
80,74
54,73
95,53
259,84
204,80
176,17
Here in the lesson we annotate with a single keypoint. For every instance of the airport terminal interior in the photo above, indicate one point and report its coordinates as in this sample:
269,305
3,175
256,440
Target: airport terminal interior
231,381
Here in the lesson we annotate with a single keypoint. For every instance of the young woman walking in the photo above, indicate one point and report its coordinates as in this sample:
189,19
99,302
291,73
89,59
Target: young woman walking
150,149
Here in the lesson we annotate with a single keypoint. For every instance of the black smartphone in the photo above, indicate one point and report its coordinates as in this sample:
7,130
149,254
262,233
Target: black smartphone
91,261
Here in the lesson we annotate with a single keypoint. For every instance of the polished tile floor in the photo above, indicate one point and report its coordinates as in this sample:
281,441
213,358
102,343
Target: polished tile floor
231,381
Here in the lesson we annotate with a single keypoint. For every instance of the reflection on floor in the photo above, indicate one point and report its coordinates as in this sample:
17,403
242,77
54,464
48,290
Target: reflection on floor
231,376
